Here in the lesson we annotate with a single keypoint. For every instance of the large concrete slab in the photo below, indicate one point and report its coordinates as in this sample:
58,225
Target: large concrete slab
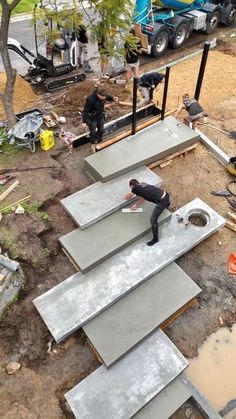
166,402
121,391
95,202
97,243
72,303
124,324
147,146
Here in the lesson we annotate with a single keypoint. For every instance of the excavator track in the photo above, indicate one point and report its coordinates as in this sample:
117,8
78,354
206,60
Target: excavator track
56,83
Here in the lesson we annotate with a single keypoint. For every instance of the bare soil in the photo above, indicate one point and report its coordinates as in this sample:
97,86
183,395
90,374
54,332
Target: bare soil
37,389
23,97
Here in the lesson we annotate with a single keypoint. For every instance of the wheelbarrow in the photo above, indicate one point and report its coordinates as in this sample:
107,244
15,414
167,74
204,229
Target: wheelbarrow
26,131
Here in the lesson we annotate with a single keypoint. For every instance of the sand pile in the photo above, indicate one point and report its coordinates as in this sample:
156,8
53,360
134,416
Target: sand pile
24,97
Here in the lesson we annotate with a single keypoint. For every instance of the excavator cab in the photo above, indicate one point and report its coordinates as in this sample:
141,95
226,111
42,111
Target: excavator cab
58,57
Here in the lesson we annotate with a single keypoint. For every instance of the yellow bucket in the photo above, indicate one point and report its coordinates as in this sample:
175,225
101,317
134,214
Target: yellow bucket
47,140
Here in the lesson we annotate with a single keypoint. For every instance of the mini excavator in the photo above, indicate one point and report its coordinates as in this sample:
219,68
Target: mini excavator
52,67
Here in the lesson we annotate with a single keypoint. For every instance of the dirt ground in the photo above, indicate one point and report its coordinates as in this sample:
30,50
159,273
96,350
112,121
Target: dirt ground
37,389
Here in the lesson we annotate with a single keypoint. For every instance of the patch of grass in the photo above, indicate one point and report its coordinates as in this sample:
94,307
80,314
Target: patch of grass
3,205
24,6
34,209
10,243
7,151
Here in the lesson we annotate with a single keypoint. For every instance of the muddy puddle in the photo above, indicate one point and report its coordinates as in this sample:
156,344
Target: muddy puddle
214,371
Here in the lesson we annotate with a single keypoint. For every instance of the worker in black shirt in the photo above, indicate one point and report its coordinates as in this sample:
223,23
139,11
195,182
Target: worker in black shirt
153,194
131,61
82,38
147,84
93,114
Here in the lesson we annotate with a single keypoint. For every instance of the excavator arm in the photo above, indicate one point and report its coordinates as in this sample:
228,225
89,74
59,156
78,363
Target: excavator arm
14,45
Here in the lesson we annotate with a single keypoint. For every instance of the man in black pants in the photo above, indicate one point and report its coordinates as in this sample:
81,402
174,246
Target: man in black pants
152,194
93,114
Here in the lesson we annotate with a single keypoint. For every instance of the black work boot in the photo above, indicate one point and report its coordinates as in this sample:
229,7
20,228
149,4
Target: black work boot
153,241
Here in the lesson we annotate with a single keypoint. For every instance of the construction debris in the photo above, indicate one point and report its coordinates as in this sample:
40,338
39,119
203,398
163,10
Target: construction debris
8,263
231,186
232,202
220,193
9,190
5,179
59,119
232,263
19,210
24,169
14,204
231,225
232,216
180,153
221,321
48,121
12,367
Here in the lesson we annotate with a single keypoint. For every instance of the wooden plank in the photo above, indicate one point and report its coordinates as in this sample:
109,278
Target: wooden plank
2,276
231,225
166,163
14,204
172,156
122,103
9,190
70,259
232,216
178,313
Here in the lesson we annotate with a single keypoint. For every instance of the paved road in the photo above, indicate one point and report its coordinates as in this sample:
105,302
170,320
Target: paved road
22,30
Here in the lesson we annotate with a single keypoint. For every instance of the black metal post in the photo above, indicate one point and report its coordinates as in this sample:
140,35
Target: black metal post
202,70
164,99
134,119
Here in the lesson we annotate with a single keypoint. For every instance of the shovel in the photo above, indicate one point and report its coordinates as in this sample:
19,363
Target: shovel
231,134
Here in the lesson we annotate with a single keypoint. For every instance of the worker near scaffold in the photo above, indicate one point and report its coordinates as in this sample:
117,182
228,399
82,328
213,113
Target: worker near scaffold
150,193
93,114
147,84
194,109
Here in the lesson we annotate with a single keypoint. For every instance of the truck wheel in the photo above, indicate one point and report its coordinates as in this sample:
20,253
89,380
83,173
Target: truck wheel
180,36
160,43
231,15
213,21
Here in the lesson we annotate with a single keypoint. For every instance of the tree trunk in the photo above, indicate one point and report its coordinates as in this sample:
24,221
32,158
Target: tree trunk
7,95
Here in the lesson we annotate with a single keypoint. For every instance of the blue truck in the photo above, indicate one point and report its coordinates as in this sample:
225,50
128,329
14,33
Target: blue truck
170,22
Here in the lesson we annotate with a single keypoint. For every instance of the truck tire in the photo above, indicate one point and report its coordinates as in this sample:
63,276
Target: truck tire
213,21
230,15
180,35
160,44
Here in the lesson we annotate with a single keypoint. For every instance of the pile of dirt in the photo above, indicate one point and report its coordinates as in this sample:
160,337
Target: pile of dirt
23,98
227,47
75,98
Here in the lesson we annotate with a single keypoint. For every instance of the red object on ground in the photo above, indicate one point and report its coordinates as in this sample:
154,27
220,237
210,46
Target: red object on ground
232,263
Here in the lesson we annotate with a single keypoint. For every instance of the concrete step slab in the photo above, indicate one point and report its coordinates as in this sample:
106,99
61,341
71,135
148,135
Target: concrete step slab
75,301
127,322
166,402
150,144
87,248
122,390
99,200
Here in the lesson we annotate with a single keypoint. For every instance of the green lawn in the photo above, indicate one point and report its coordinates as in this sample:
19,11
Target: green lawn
23,7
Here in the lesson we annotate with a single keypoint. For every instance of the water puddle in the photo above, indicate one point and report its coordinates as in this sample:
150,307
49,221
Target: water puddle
214,370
